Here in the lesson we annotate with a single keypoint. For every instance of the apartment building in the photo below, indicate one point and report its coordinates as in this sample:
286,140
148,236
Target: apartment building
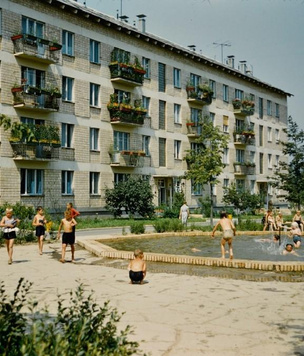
93,100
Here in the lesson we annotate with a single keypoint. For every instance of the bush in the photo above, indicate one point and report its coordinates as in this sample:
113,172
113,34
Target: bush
249,225
81,328
137,227
164,225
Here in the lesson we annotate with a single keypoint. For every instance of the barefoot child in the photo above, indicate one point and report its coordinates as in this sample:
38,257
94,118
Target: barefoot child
137,268
295,233
68,236
39,222
228,232
9,223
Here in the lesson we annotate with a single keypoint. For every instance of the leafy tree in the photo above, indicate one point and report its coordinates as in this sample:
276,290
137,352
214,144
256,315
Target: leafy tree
178,201
134,195
289,175
205,163
242,200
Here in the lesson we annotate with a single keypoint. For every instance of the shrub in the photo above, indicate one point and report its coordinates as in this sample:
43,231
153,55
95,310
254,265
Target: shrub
175,225
249,225
137,227
163,225
80,328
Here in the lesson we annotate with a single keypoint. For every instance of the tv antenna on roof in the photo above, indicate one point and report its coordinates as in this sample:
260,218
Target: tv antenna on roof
223,44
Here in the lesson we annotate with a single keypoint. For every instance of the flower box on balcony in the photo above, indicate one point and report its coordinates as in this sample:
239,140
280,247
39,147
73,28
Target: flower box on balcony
54,46
190,123
17,37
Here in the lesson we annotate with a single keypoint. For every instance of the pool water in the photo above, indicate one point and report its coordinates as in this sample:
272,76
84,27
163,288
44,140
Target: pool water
260,248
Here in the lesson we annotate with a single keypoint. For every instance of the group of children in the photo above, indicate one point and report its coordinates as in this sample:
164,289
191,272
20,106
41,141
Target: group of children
9,226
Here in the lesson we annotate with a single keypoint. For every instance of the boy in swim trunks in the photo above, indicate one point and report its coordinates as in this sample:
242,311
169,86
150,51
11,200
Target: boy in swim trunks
68,236
295,233
228,233
137,268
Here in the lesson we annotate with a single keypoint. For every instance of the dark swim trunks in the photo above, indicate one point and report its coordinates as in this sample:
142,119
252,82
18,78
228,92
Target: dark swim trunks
296,238
68,238
9,235
40,230
136,277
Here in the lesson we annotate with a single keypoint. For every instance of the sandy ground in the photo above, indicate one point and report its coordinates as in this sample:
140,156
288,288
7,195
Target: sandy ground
174,315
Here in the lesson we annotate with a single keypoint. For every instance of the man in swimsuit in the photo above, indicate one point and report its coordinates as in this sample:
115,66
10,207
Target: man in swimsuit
68,237
137,268
228,233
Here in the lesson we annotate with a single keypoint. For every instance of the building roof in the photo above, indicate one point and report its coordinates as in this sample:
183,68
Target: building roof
121,26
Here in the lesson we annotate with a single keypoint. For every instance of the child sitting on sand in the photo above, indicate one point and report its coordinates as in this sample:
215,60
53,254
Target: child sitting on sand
137,268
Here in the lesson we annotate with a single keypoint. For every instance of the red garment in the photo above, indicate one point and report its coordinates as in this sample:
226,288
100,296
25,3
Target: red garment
74,212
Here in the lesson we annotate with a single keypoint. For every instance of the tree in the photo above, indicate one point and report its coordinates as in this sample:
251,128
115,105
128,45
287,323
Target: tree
205,163
134,196
289,175
242,200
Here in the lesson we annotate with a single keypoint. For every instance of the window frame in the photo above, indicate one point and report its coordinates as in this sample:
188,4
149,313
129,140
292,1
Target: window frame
94,183
67,89
94,139
38,178
67,133
67,181
176,78
94,51
94,95
68,43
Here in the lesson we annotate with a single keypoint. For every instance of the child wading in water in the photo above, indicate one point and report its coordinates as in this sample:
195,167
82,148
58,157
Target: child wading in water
39,222
228,233
137,268
68,236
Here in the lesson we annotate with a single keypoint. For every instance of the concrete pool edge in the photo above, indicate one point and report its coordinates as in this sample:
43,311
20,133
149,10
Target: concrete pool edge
96,247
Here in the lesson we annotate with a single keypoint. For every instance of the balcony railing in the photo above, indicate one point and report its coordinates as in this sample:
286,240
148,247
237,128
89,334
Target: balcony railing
244,168
30,151
35,98
243,107
127,73
193,129
127,158
125,113
244,138
36,48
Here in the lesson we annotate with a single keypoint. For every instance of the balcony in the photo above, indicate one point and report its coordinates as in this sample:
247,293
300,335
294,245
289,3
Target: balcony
126,73
245,168
244,138
127,158
34,152
124,113
35,48
243,107
193,129
200,95
32,98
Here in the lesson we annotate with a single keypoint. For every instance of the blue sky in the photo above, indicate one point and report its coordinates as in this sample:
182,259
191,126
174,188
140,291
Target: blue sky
268,34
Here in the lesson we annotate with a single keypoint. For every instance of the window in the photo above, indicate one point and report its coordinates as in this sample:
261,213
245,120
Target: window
67,182
146,66
31,181
261,108
226,183
94,94
146,145
0,22
162,152
212,117
225,93
120,55
269,161
146,104
94,134
251,156
269,134
240,185
67,43
177,78
196,146
120,177
67,135
277,135
94,183
239,94
161,77
239,125
226,155
123,96
225,123
196,188
94,51
177,117
212,85
277,111
261,133
251,186
121,141
195,80
30,121
277,161
269,107
196,117
67,88
32,27
261,162
162,115
177,149
34,77
239,156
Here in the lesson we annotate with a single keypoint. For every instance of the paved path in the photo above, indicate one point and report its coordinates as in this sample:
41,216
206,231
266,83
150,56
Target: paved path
175,315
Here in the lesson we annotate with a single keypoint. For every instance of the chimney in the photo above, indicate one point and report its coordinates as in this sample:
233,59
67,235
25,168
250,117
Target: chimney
142,23
230,61
242,66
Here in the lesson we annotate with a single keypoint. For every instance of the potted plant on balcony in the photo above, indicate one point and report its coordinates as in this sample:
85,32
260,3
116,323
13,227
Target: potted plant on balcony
236,103
206,90
190,123
138,68
54,46
17,36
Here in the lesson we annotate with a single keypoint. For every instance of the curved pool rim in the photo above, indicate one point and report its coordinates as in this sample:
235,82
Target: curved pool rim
99,249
